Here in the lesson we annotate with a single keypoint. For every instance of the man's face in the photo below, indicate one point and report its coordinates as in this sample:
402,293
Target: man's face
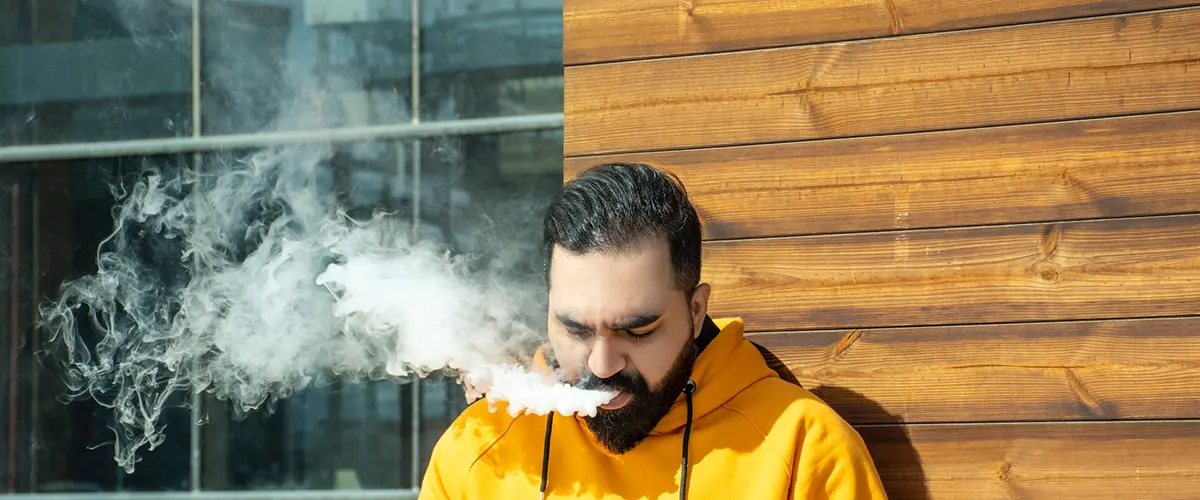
617,322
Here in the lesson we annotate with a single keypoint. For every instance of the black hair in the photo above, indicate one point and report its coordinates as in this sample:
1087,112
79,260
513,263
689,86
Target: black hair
616,206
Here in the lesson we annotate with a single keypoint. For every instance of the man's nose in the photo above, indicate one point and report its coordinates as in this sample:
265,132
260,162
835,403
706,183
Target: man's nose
605,360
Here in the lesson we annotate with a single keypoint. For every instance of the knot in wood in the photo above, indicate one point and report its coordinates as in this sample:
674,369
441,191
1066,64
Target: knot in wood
1047,272
1003,471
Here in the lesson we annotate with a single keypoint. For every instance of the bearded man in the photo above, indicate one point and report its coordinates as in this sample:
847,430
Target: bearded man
698,412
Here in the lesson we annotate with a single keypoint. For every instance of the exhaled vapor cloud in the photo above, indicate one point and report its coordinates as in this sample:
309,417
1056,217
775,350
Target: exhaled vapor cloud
249,282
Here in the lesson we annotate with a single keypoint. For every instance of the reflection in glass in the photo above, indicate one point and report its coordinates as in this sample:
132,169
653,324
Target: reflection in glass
481,195
352,435
92,70
263,60
487,194
53,217
490,58
347,435
98,70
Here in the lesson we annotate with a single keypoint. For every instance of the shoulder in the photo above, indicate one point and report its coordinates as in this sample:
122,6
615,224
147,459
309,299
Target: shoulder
474,432
786,411
827,456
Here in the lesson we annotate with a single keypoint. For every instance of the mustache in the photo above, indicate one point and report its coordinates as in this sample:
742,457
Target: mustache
621,381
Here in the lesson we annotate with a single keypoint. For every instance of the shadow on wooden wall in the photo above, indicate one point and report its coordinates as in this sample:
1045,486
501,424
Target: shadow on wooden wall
903,476
895,456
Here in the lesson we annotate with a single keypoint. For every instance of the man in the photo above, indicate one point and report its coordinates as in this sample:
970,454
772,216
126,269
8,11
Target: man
699,414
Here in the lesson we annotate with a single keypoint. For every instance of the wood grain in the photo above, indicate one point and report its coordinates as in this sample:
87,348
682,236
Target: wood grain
1079,69
1102,370
634,29
1122,268
1063,461
1143,165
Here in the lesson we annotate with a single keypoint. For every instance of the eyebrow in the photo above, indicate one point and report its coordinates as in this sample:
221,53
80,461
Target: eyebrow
630,323
569,322
636,322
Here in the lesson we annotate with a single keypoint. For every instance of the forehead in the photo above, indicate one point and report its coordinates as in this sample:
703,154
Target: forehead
603,286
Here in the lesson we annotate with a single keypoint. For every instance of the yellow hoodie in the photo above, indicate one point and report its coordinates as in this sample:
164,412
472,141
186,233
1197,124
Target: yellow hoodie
743,433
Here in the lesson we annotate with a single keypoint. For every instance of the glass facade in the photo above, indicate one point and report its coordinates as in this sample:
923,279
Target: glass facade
93,92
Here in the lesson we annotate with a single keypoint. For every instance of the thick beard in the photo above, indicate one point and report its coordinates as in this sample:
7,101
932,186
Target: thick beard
621,430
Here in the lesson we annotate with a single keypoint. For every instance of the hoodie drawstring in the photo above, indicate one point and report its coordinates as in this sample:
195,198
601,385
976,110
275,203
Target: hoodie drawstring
687,434
546,453
688,390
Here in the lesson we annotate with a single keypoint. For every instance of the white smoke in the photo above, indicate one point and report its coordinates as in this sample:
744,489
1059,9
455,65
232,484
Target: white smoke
317,294
249,281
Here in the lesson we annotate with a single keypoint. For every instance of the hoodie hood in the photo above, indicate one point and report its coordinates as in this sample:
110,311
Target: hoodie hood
736,422
726,365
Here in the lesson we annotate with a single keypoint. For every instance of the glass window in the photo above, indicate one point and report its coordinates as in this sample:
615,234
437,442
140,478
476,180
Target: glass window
480,194
262,58
352,435
348,435
482,58
486,194
93,70
109,70
53,217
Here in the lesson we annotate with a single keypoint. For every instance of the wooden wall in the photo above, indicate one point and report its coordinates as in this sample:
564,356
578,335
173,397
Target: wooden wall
972,226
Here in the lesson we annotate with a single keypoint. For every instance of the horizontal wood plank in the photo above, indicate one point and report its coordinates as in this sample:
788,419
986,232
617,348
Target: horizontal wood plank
1115,167
1104,370
1033,73
1121,268
633,29
1063,461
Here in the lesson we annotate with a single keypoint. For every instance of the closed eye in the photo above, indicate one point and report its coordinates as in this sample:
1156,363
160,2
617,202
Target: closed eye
581,334
640,336
574,328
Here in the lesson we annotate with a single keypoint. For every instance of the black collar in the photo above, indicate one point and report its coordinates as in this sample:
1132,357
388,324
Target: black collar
708,332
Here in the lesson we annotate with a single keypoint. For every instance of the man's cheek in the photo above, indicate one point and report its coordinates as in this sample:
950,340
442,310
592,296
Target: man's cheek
575,367
653,364
570,358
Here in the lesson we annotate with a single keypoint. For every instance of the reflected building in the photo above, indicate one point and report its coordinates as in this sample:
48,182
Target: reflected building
93,91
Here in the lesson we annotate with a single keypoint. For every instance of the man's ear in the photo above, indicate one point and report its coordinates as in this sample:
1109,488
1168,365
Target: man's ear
699,307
